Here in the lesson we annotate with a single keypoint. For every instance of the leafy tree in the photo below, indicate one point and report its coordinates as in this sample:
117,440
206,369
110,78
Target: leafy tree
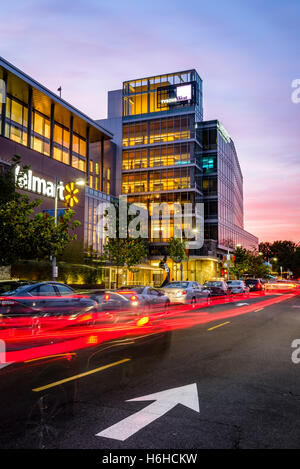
124,252
247,262
176,251
286,252
24,234
241,263
257,267
266,249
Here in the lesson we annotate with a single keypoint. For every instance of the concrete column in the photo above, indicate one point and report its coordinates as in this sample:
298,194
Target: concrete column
29,122
3,116
51,129
88,156
71,138
102,164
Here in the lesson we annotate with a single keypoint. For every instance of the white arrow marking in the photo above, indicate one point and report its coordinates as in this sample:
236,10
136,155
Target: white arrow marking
164,401
242,304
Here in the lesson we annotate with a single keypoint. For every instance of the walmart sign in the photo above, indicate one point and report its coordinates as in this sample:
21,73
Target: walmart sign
29,182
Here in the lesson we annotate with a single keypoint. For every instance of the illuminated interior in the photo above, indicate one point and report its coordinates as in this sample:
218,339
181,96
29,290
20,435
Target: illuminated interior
38,120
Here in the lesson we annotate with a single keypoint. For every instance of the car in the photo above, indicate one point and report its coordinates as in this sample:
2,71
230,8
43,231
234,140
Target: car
136,299
254,284
186,292
237,286
41,299
281,285
217,288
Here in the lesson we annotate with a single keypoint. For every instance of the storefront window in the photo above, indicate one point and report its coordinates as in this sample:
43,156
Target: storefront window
40,140
16,121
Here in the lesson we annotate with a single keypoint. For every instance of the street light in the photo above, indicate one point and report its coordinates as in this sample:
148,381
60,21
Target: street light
78,182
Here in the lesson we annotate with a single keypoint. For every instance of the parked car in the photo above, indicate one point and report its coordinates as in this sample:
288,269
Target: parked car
237,286
141,299
254,284
186,292
217,288
41,299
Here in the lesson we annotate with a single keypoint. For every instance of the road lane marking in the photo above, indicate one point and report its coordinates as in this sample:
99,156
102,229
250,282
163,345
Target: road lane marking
260,309
81,375
219,325
163,402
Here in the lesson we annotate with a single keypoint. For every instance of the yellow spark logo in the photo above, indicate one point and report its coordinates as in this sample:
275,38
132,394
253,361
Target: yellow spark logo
71,192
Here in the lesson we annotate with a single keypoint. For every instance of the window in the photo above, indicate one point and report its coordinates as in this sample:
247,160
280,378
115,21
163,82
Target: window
78,163
41,133
43,290
17,119
64,290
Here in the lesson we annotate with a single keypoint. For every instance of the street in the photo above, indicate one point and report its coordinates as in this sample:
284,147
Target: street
239,361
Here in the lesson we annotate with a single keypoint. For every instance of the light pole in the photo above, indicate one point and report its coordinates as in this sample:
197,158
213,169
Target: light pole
181,266
54,266
78,182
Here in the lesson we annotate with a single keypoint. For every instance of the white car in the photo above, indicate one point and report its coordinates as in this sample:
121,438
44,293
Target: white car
237,286
186,292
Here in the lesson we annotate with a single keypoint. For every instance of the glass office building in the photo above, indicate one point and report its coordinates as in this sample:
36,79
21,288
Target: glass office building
159,145
168,154
222,186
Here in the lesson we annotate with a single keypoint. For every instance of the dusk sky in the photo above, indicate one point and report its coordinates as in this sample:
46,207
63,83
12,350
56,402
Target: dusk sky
246,52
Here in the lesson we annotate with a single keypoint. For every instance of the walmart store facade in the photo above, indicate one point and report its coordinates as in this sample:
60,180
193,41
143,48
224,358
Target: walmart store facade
56,140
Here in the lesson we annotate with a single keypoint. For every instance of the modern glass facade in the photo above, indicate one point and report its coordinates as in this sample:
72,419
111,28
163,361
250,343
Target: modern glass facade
158,94
222,188
159,145
170,155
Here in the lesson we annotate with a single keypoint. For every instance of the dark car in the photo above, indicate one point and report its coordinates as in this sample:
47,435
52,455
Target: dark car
217,288
254,284
41,299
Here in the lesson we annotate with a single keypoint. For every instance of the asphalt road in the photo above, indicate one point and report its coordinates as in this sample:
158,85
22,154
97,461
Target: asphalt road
240,361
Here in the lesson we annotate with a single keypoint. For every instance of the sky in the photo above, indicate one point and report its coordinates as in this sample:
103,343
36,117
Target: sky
247,53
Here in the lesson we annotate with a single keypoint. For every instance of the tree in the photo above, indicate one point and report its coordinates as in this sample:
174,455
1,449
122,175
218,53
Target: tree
241,263
266,249
23,234
247,262
257,267
124,252
176,251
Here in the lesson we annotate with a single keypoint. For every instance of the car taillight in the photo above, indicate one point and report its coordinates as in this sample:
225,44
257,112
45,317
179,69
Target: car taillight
7,302
259,286
107,297
183,292
134,300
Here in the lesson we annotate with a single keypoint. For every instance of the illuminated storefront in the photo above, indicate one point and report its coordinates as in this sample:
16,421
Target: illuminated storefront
57,141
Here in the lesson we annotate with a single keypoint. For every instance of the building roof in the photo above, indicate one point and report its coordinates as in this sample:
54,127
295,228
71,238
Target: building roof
53,97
